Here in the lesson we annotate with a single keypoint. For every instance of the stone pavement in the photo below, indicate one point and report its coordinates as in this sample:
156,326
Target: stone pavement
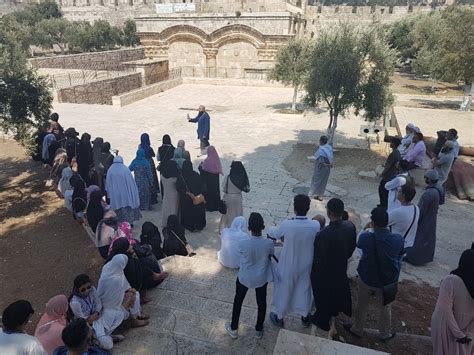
189,310
245,126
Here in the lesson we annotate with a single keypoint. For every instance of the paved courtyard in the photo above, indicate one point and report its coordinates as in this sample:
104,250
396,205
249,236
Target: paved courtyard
246,126
189,309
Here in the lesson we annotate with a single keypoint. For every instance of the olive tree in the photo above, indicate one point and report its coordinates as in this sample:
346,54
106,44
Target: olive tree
350,67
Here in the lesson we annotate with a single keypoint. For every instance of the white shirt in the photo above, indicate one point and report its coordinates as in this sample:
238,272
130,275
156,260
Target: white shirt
20,344
392,187
76,308
255,254
399,221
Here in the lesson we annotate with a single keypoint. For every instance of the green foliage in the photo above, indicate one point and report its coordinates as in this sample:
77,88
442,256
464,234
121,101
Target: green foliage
291,66
129,34
25,99
35,13
445,44
53,31
351,68
400,36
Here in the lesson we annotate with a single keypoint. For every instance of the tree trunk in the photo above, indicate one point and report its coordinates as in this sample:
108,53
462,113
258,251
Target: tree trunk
295,95
467,99
62,48
332,129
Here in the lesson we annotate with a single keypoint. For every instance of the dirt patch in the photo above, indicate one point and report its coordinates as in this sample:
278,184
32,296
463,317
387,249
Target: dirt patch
410,314
354,160
42,248
407,83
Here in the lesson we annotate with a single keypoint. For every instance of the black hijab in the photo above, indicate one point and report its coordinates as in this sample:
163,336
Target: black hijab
79,195
465,270
238,176
166,151
96,150
151,235
120,246
95,211
169,169
84,154
174,225
166,139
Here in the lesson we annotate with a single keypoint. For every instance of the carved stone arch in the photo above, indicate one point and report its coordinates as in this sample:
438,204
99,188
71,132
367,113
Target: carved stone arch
236,33
184,33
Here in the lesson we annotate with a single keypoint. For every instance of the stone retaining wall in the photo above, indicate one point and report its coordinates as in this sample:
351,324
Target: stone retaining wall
107,60
145,91
100,92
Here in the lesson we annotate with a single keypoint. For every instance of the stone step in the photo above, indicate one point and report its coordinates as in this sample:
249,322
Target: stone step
190,308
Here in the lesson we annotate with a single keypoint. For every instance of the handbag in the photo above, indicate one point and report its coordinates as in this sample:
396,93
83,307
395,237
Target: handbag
189,248
197,199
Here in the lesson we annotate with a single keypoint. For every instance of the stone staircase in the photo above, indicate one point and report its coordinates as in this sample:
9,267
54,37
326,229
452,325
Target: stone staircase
189,310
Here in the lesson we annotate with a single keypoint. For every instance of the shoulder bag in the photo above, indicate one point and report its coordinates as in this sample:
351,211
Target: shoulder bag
189,248
197,199
389,291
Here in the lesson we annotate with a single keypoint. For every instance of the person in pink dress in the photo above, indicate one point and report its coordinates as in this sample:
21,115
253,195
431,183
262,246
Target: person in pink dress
452,323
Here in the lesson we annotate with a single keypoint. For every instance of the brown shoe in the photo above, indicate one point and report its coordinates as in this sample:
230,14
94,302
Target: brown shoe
137,323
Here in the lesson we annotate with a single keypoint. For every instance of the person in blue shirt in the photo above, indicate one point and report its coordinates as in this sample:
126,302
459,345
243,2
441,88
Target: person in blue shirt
379,267
204,127
254,273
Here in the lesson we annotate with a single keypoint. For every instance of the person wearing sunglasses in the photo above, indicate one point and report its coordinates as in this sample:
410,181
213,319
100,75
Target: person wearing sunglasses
84,301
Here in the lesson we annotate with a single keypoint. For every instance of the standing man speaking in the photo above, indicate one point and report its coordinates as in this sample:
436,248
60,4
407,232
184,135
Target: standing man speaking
204,127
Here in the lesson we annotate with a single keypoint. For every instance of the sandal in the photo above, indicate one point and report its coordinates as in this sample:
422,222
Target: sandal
137,323
348,328
391,336
117,338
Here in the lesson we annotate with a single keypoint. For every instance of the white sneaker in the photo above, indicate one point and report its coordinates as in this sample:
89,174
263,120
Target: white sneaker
233,333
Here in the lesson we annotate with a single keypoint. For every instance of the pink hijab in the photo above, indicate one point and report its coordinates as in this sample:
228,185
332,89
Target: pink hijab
51,325
212,164
124,231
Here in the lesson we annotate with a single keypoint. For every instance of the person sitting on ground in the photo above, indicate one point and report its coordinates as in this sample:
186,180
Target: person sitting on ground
416,154
423,249
105,232
444,161
13,339
72,144
407,139
404,219
254,272
79,197
124,230
76,337
138,273
174,237
151,235
389,171
50,145
84,301
59,163
452,323
229,254
119,302
395,184
54,119
95,209
50,326
379,267
64,185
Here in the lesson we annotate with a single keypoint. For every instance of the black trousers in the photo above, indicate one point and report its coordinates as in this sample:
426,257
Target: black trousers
383,193
240,292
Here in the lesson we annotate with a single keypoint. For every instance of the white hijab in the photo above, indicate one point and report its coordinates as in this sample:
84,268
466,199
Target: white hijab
113,283
236,229
325,150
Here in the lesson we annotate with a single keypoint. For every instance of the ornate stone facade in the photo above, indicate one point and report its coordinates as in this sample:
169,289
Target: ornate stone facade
222,46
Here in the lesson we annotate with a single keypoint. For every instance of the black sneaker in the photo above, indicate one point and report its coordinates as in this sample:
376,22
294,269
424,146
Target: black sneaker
305,321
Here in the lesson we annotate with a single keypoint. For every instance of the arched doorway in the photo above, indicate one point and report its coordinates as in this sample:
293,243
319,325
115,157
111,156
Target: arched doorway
189,56
233,57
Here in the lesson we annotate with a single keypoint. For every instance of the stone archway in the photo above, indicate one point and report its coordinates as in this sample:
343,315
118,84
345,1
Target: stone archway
233,57
189,56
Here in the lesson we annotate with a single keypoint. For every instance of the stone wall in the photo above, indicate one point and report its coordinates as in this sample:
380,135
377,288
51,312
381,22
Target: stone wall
100,92
107,60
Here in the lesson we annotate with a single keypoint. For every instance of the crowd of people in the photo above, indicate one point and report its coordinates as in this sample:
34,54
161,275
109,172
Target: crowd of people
305,259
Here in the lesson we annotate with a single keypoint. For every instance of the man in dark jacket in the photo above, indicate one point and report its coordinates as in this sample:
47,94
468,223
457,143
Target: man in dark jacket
204,127
333,247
